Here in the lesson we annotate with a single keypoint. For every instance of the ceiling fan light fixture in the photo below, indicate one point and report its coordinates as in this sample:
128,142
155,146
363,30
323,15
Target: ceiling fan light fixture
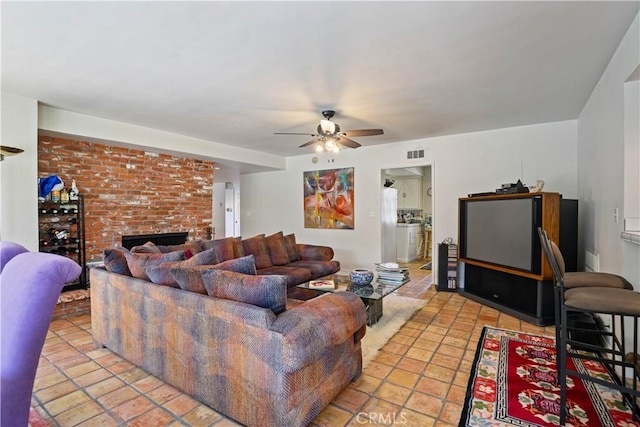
327,126
330,137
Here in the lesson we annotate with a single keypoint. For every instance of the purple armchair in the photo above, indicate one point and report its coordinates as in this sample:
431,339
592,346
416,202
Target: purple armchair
30,283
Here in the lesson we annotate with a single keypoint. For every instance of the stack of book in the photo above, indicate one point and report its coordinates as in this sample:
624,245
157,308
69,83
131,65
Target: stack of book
391,273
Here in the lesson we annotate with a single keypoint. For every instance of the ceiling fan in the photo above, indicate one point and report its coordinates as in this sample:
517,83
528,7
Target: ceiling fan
330,137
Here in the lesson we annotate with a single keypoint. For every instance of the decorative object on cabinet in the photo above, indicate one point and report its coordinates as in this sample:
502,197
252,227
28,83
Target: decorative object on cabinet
61,231
47,186
328,199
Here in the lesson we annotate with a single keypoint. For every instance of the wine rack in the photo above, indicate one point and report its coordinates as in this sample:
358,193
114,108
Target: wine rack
61,232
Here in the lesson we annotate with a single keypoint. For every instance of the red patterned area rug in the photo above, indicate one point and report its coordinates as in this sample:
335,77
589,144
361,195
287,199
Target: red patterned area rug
514,383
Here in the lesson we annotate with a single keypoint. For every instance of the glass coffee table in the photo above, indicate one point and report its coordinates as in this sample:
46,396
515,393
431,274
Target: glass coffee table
371,295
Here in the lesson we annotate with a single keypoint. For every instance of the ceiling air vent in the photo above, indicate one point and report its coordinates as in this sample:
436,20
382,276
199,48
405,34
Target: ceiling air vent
415,154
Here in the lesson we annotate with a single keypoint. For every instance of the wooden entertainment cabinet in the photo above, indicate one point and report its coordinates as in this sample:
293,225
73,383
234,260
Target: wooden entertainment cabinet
518,285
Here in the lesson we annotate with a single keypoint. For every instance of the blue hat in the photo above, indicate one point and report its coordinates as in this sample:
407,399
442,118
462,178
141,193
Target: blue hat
47,184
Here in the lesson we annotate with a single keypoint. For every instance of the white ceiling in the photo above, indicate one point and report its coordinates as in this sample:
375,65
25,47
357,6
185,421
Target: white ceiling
235,72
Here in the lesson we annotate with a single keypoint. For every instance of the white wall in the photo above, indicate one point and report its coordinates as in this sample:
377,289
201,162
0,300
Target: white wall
18,174
463,164
601,163
96,129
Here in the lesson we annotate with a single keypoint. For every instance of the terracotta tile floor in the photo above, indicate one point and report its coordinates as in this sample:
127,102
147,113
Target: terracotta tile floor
418,379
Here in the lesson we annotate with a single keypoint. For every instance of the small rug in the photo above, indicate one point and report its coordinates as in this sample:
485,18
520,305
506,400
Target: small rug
396,310
514,383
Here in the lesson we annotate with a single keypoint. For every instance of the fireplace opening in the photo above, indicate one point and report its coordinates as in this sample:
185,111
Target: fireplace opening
157,239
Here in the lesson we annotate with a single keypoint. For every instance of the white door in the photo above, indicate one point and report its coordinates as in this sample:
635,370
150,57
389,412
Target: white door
229,210
389,218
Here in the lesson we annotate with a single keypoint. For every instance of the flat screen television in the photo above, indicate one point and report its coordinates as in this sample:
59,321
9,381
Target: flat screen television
502,232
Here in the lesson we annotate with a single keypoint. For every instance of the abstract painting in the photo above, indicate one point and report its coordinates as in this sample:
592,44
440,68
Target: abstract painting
328,199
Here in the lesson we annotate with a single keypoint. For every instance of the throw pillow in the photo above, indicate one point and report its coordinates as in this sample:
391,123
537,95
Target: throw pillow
195,246
278,249
147,248
161,274
190,278
138,262
244,265
115,261
264,291
257,246
292,247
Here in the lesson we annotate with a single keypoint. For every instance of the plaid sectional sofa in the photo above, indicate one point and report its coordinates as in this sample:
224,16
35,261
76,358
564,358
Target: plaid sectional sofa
236,347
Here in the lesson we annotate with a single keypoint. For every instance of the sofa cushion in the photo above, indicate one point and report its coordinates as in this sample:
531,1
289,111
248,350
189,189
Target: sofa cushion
277,249
138,262
195,246
238,249
318,268
189,278
315,252
147,248
292,247
161,274
295,275
244,265
257,246
115,261
223,248
264,291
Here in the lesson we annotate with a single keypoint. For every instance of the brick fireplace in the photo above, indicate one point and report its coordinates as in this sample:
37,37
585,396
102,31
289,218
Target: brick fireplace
131,192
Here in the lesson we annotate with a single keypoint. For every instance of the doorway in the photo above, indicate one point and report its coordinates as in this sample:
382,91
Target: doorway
412,233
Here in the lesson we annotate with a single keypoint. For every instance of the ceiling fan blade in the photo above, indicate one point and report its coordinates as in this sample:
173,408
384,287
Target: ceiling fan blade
306,144
294,133
348,142
363,132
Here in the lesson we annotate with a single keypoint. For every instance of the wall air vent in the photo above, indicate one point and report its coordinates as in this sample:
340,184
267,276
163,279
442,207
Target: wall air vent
415,154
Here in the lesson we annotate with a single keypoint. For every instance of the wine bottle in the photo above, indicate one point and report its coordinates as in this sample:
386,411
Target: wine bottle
64,211
64,196
44,242
53,211
44,211
73,191
72,220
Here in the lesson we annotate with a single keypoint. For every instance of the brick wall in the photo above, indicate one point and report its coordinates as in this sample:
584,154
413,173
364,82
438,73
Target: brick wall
130,191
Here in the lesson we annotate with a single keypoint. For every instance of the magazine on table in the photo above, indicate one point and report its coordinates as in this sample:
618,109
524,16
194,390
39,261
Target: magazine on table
322,284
